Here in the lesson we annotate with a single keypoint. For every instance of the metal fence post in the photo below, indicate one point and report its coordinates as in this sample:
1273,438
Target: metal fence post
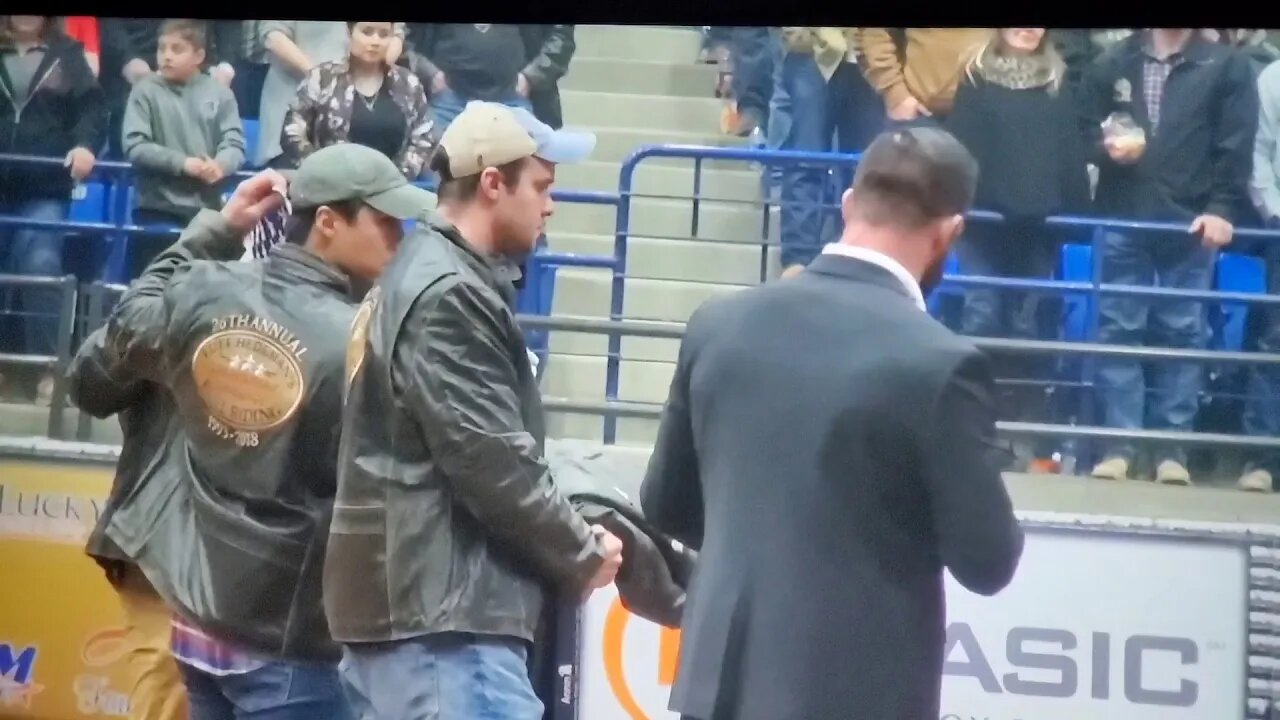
66,328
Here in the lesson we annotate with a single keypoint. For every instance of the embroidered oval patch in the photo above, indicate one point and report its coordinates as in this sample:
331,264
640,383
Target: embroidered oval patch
248,381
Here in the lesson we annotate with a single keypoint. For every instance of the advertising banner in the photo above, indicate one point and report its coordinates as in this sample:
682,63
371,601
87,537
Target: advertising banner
61,634
1094,625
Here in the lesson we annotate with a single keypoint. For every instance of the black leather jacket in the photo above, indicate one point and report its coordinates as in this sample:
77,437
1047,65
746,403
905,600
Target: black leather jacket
447,517
147,421
252,354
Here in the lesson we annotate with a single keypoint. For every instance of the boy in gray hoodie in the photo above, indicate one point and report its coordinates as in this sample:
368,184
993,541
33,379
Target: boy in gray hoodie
183,134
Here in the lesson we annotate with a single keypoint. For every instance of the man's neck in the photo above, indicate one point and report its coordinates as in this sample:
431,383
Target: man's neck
477,232
885,242
1166,42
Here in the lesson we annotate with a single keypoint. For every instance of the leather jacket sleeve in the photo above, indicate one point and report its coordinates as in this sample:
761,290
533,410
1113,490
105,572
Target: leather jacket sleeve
552,61
92,385
459,381
139,325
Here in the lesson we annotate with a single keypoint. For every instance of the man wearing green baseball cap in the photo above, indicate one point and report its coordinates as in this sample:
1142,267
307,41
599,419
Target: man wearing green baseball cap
252,354
448,532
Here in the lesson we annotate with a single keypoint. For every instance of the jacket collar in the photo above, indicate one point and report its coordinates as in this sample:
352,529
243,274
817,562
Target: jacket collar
858,270
499,273
296,263
1197,48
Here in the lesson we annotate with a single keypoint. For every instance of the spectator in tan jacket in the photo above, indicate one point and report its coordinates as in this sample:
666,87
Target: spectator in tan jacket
916,70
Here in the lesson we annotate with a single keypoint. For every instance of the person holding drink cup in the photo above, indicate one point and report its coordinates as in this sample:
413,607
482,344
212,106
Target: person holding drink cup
1172,118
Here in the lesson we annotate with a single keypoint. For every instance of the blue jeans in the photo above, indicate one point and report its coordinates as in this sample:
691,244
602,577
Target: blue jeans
1262,398
31,252
447,105
1170,261
276,691
754,50
812,111
440,677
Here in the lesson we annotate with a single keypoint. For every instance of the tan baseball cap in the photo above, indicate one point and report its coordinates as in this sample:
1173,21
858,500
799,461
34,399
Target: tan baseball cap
487,134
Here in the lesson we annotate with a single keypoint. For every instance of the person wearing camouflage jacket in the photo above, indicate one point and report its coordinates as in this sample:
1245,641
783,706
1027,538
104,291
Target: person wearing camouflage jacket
330,108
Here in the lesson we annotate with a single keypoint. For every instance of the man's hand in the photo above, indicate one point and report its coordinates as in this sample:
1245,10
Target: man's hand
1125,152
81,161
254,198
908,110
135,70
522,85
223,73
612,549
439,83
1215,231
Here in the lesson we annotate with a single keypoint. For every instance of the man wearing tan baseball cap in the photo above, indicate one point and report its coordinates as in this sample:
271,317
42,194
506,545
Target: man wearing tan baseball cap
448,531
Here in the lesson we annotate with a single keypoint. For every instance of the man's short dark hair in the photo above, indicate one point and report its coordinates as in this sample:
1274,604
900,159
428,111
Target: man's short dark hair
193,31
298,227
464,189
909,178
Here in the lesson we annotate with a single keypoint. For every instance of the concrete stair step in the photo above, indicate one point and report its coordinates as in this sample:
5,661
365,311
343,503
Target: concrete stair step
582,377
636,432
688,260
587,292
651,179
651,112
637,42
22,419
717,220
616,144
681,78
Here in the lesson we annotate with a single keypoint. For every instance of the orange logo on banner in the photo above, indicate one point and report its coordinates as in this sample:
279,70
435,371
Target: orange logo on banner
103,647
615,627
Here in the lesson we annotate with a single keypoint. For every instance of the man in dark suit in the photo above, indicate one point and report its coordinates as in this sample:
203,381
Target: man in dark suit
830,448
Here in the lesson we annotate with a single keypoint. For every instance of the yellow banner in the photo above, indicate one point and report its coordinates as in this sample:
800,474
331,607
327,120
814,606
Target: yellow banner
61,634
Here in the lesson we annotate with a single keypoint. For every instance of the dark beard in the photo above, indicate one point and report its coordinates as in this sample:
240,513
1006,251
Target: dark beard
932,276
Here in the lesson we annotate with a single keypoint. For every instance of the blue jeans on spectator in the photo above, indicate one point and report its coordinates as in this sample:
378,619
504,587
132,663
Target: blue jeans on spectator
440,677
754,51
32,252
447,105
1008,251
276,691
1261,415
811,111
1026,251
1170,261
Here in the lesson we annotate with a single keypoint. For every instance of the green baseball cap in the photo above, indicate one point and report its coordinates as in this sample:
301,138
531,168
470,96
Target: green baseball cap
347,172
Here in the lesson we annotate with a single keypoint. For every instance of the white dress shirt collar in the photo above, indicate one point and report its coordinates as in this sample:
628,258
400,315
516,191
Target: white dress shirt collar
878,258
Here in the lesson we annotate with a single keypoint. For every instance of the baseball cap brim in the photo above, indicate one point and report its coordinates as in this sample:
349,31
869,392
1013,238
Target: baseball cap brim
566,147
402,203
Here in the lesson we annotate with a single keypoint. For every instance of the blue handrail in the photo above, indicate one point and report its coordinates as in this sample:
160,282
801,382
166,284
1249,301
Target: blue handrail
836,161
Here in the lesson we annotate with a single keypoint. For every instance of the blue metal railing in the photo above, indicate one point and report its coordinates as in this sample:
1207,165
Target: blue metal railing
118,225
842,163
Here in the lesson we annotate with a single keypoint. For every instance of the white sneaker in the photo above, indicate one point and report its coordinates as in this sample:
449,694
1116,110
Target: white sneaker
1116,468
1170,472
1256,481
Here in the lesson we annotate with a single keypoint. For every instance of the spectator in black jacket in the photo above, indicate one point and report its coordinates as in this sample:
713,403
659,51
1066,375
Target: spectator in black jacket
1015,112
516,65
50,106
1197,105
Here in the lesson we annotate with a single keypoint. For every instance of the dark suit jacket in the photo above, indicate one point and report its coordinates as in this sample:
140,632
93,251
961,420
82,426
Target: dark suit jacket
830,449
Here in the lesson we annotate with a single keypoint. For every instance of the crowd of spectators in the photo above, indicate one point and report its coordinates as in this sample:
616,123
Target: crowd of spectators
1154,125
1163,125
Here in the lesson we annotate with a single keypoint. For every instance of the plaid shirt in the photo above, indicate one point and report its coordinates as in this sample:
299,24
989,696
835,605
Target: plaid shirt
1155,75
190,646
